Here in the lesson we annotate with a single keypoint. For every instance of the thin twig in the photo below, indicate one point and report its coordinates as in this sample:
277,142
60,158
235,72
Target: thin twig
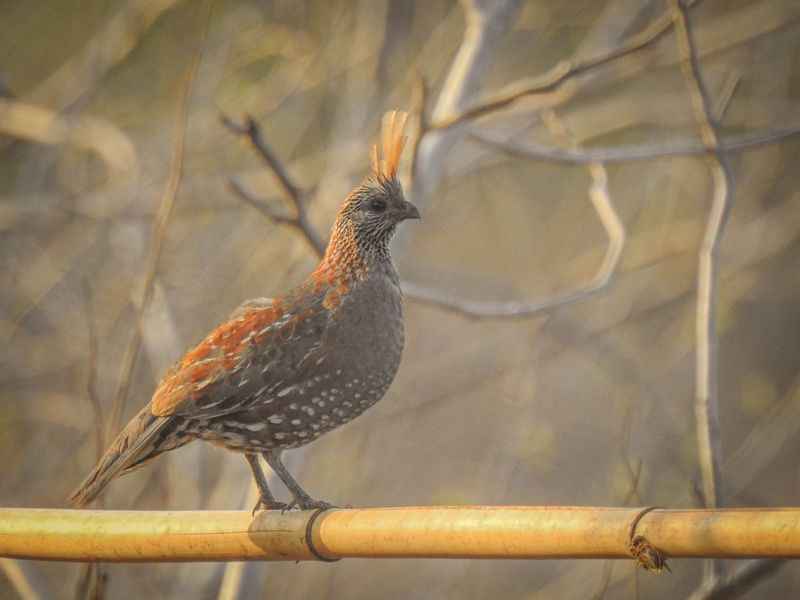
262,205
421,110
615,230
605,580
706,371
635,476
486,24
160,224
729,87
629,153
293,192
603,206
252,131
25,579
740,581
233,577
91,376
92,582
559,74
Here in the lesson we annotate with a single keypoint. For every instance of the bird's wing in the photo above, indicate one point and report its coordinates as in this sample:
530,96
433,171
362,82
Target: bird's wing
261,349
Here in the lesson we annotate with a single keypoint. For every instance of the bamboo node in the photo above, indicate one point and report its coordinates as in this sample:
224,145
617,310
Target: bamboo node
646,554
310,536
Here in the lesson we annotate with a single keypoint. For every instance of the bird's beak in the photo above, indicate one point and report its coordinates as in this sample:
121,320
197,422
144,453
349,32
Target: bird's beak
409,211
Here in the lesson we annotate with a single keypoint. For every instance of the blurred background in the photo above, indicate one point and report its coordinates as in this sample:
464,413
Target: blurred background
122,242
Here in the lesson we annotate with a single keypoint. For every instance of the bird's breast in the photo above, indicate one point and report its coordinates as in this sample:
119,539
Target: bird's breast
368,333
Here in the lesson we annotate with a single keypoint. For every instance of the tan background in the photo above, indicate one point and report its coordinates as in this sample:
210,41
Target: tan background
564,407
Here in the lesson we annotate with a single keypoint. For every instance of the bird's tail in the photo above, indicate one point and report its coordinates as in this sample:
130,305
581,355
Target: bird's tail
139,441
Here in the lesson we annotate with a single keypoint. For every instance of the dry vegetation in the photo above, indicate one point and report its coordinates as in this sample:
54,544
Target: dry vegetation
602,297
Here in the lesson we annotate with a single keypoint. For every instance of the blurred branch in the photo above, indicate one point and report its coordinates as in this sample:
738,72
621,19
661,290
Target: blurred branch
232,585
43,126
559,74
25,579
478,309
487,22
91,377
603,206
706,369
726,93
546,152
5,88
615,230
420,109
253,133
508,532
707,402
92,582
159,233
740,581
108,48
293,192
633,494
764,443
93,578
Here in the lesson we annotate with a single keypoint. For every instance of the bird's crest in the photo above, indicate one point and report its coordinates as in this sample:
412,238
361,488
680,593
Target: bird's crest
386,158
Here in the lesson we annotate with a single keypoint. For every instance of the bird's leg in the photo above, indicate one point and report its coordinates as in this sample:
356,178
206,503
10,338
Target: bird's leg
301,498
267,500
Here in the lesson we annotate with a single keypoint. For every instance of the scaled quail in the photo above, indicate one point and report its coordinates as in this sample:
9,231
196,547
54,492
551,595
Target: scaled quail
280,373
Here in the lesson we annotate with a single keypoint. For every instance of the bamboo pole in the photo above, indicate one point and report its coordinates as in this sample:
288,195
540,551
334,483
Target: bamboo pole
433,532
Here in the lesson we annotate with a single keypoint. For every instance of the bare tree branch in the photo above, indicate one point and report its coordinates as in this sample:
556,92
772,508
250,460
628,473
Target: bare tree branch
740,581
293,192
558,75
262,205
615,230
92,582
528,149
487,23
231,586
91,377
25,579
706,370
420,108
252,131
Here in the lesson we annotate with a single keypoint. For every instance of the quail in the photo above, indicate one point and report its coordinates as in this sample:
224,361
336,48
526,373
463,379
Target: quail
280,373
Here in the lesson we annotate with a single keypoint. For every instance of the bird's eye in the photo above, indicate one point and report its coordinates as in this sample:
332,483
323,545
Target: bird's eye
377,205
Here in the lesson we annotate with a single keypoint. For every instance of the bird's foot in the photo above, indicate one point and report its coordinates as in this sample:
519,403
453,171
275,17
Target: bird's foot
270,505
308,503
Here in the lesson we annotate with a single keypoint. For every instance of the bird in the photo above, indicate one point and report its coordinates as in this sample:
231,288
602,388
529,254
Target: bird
279,373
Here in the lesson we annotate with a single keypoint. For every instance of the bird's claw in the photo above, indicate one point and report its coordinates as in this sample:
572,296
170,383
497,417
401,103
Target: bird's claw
270,505
308,503
311,504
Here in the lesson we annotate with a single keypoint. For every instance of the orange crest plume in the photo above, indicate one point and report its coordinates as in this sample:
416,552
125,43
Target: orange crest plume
386,158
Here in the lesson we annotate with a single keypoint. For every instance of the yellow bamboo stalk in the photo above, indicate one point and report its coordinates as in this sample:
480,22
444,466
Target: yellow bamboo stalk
433,532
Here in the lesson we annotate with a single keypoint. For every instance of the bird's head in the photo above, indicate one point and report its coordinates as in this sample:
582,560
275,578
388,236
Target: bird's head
369,216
